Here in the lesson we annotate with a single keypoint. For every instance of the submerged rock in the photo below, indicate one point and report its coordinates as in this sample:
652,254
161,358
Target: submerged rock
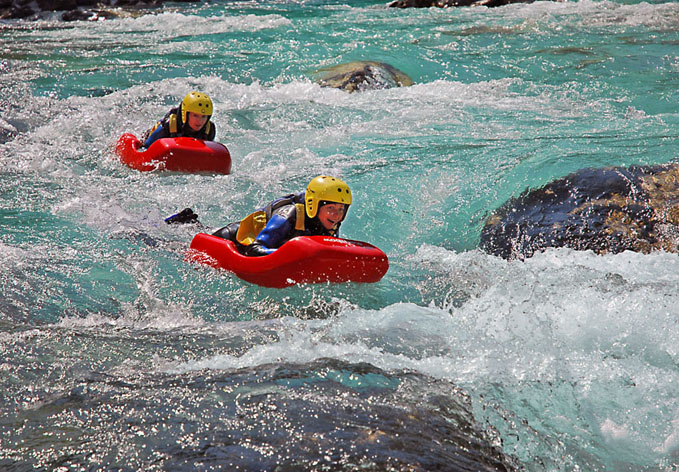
362,75
606,210
7,131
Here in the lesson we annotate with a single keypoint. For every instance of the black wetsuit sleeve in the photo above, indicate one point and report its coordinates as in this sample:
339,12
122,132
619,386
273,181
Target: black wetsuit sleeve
228,232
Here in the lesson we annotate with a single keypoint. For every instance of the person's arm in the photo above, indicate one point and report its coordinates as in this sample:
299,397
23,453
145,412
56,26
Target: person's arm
158,133
271,237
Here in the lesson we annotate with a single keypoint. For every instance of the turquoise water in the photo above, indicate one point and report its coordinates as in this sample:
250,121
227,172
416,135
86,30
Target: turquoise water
118,353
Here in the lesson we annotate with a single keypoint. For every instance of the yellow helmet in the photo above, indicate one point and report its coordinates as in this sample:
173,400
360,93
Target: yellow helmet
196,102
328,189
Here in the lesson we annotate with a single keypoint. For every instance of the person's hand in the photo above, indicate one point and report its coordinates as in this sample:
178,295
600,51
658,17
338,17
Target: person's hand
257,250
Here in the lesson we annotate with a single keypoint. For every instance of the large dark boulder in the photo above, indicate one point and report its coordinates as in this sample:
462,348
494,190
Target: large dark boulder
606,210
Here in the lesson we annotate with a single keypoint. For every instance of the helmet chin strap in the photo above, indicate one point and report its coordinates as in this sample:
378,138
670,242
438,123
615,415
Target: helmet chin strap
315,226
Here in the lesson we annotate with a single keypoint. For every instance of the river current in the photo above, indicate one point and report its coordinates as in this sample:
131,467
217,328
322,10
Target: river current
117,354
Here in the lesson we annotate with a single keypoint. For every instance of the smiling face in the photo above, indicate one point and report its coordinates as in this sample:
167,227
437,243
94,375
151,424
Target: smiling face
196,120
330,214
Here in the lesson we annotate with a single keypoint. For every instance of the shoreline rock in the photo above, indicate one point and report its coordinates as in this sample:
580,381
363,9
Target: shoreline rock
453,3
73,10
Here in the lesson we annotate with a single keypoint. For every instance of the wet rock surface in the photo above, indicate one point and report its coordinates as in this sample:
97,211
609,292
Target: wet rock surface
454,3
72,10
362,75
324,415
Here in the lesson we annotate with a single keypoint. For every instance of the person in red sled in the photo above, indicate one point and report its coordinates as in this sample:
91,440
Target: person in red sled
191,119
319,210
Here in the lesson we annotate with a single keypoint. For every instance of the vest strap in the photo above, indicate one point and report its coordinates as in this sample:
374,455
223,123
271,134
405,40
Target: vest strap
299,222
173,123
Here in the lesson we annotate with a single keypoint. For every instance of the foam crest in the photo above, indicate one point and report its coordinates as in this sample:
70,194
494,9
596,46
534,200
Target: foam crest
162,317
297,343
163,26
591,13
14,256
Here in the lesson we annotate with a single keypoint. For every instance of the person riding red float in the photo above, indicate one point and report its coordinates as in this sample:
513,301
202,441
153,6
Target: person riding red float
190,119
319,210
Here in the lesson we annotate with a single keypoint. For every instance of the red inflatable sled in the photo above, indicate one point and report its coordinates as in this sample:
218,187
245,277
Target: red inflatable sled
306,259
175,154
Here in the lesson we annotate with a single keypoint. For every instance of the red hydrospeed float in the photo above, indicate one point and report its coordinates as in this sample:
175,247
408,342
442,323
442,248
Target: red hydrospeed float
175,154
305,259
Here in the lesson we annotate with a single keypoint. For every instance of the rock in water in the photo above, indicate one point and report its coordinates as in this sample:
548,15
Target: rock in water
362,75
607,210
454,3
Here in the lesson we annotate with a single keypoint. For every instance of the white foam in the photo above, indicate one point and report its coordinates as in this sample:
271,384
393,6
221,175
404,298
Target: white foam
160,27
614,431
